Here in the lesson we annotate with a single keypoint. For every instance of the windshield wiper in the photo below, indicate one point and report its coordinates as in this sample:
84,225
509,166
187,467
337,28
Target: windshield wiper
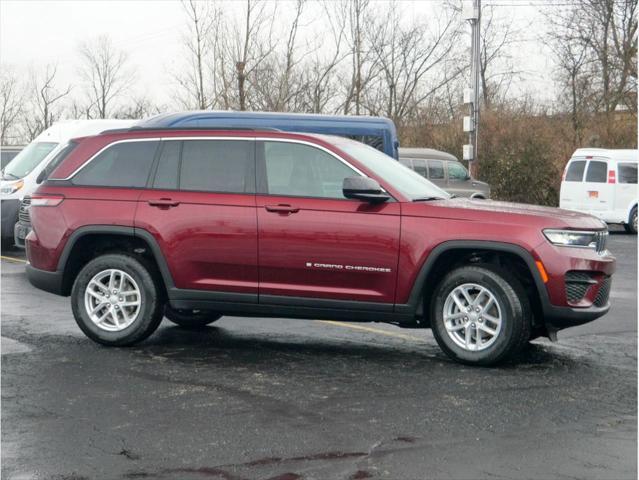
427,199
4,174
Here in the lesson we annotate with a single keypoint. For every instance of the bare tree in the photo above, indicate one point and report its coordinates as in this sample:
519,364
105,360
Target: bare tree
44,102
11,99
104,69
196,85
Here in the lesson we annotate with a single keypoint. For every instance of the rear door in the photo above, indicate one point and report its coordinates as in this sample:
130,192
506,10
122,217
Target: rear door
313,242
572,191
201,210
598,194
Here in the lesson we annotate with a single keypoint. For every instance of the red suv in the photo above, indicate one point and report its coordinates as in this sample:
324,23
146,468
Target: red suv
194,224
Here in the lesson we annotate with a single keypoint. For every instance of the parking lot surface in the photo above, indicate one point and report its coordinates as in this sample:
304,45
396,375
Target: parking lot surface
256,398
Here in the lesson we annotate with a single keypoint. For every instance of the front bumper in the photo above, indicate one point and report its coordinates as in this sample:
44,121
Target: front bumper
9,209
44,280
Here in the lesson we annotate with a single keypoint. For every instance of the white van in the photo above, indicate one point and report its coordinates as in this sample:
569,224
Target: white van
19,176
602,183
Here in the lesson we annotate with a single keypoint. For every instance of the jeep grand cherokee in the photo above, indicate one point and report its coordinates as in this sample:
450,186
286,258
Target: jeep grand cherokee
194,224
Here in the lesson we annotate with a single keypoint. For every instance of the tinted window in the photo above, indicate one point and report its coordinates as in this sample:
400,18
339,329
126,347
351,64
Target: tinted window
597,172
420,167
575,171
436,169
374,141
303,171
125,164
627,172
456,171
218,166
166,175
57,159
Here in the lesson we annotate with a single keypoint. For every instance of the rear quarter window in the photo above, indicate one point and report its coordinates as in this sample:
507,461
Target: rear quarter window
575,171
125,165
627,172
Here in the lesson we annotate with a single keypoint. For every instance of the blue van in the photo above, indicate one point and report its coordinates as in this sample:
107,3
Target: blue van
377,132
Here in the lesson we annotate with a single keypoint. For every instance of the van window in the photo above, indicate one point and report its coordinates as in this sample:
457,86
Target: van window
575,171
627,172
436,169
303,171
218,166
597,172
456,171
420,167
28,159
125,165
406,162
374,141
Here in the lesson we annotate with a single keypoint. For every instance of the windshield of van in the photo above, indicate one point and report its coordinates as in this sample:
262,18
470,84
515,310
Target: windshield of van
27,160
411,184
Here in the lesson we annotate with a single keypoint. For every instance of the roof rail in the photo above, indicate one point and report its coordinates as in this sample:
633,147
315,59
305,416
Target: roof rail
170,129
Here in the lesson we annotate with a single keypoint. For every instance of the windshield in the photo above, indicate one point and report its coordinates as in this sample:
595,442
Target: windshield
411,184
27,160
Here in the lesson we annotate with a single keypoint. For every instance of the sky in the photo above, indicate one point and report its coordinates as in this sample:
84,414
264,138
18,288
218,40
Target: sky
35,33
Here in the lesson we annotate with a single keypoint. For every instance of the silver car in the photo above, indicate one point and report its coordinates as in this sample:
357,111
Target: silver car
445,171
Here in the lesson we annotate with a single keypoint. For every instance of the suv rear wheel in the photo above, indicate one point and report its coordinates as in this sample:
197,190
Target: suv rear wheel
480,315
191,318
116,300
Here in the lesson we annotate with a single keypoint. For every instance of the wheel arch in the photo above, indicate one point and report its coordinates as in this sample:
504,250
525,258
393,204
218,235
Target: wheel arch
108,238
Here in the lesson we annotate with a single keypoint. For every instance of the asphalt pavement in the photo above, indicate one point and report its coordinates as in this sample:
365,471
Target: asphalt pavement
256,398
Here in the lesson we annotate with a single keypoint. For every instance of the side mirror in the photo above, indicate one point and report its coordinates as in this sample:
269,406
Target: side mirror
364,188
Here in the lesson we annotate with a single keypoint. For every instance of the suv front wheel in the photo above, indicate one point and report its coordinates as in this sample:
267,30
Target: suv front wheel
480,315
116,300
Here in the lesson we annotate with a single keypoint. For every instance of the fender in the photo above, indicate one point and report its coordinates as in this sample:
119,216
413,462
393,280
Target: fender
121,231
632,206
416,292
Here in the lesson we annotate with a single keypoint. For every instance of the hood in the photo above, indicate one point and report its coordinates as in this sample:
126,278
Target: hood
505,212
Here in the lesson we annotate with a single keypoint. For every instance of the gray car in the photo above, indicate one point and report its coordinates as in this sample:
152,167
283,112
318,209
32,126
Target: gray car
445,171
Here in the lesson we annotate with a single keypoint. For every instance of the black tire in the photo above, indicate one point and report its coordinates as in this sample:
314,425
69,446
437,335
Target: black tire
631,226
191,318
513,301
152,300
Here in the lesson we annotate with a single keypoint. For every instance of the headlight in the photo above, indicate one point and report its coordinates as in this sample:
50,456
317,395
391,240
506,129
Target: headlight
12,188
574,238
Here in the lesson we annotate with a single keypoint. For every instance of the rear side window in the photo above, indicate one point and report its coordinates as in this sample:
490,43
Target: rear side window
374,141
575,171
597,172
61,155
420,167
436,169
406,162
226,166
627,172
126,165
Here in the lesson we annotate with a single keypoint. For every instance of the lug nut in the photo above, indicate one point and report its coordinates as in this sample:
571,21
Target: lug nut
121,299
117,307
481,320
465,319
472,325
477,309
114,292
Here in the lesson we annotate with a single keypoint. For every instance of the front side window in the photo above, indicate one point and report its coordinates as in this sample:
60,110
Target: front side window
28,159
627,172
597,172
436,169
125,165
575,171
457,172
224,166
303,171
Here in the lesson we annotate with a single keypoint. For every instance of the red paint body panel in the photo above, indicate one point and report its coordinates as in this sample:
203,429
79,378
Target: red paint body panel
328,234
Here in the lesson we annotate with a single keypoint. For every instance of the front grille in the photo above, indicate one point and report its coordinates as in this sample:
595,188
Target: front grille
23,212
577,284
604,292
601,239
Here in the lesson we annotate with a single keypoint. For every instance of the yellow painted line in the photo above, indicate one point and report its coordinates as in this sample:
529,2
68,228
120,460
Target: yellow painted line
372,330
11,259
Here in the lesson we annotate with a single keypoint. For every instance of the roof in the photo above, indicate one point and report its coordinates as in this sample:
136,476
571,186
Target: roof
428,153
613,154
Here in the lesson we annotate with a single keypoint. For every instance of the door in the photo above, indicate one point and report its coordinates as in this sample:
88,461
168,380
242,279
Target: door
201,210
313,242
459,181
572,186
598,194
436,173
626,192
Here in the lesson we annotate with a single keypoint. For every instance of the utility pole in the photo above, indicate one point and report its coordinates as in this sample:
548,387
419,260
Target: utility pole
472,13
